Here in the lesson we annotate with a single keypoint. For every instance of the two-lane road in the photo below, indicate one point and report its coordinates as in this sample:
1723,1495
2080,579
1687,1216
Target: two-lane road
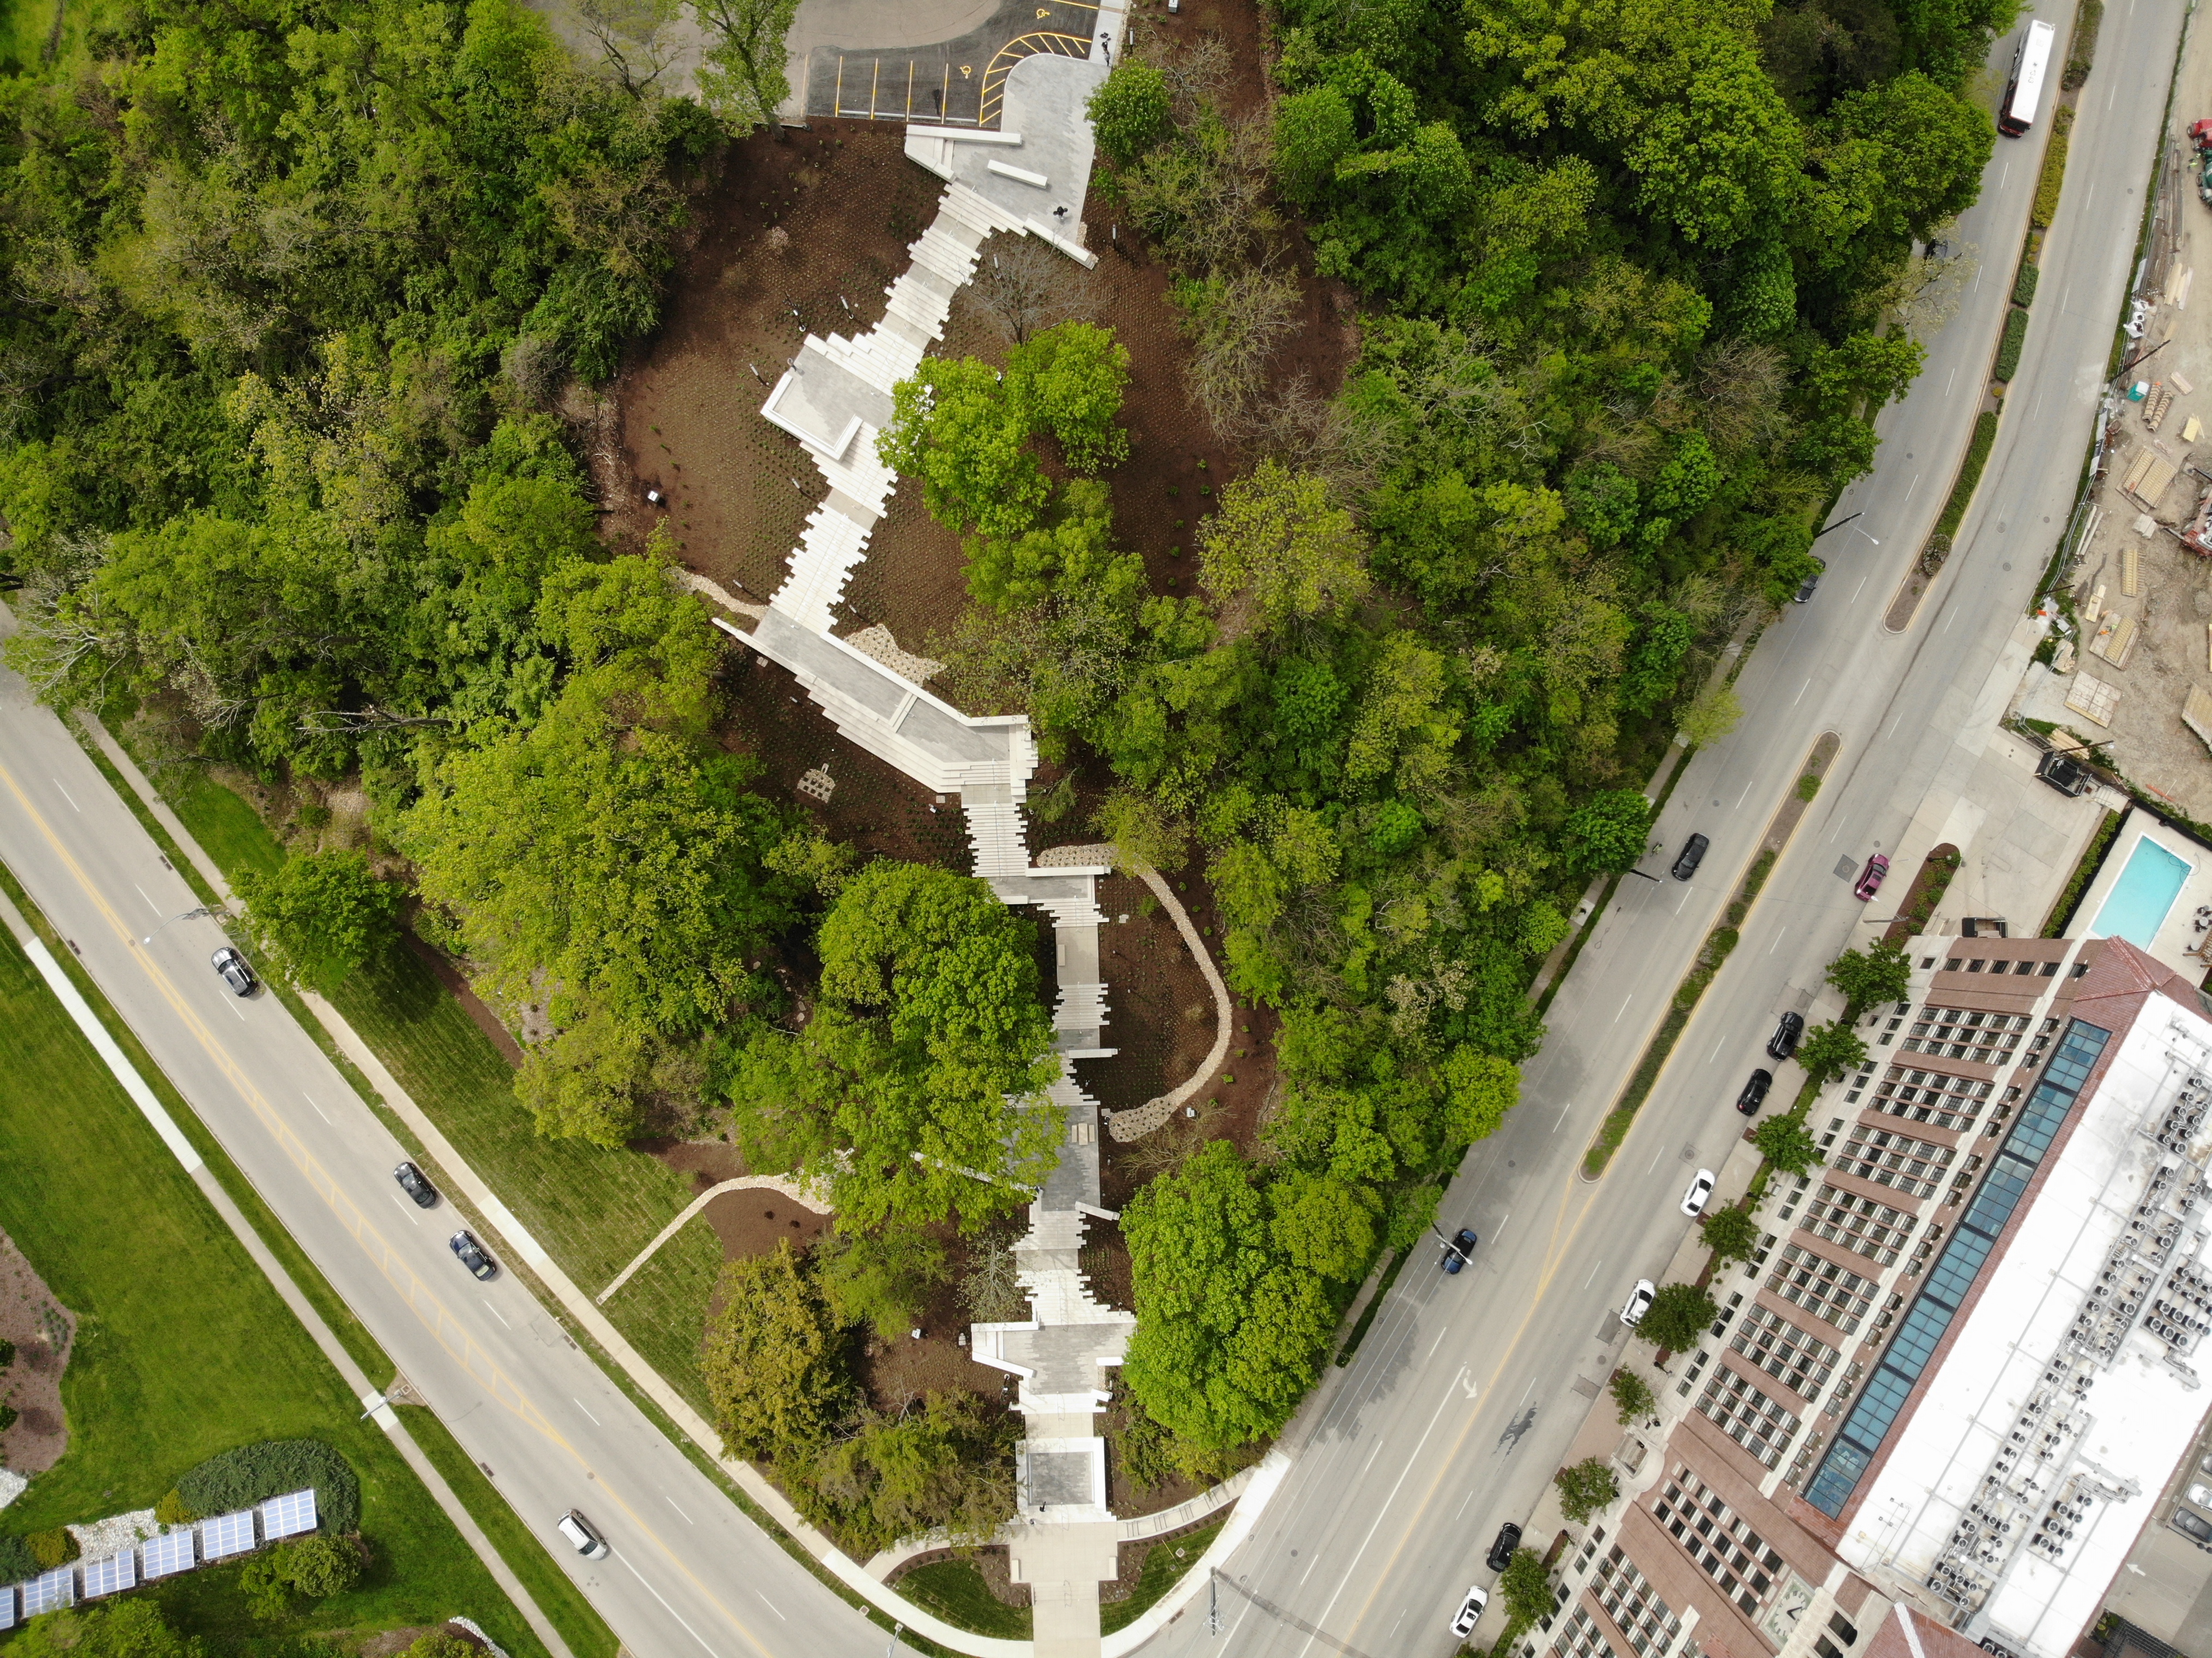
1462,1399
688,1573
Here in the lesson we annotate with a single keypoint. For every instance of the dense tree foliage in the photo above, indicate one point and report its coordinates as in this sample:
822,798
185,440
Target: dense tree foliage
916,1087
322,914
1678,1316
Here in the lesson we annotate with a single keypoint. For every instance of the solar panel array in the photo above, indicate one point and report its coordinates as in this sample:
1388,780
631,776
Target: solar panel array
226,1535
49,1591
168,1554
288,1515
112,1576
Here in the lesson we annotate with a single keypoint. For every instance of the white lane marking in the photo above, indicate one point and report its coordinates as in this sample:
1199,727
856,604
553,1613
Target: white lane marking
1895,723
1777,939
497,1314
673,1613
1746,795
236,1009
1947,383
1499,1231
1568,1107
1624,1007
688,1520
2002,177
1438,1342
1951,619
404,1208
1861,588
1525,1392
1909,487
1801,690
1586,1282
1684,899
67,796
1656,1156
1468,1385
319,1111
771,1606
150,904
580,1405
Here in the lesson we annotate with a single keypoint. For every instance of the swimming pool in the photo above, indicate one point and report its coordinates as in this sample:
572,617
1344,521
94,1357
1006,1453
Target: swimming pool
2136,907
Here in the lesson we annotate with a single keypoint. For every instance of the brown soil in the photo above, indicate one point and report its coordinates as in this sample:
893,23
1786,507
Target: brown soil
463,992
895,1372
42,1330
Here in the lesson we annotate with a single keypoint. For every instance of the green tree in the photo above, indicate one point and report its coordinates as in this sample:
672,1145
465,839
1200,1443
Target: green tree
1730,1232
954,428
882,1279
916,1090
1882,972
1786,1143
323,915
1313,132
1677,1317
588,1082
1585,1488
1129,111
947,1465
1480,1089
1611,830
1527,1587
1632,1396
742,78
1325,1225
1229,1333
1830,1050
1279,543
1711,716
770,1360
1069,380
131,1628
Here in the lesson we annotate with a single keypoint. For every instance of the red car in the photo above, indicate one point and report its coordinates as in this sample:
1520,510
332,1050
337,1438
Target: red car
1870,882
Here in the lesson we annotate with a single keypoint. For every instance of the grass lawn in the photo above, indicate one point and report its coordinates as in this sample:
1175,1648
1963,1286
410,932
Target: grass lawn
592,1208
184,1349
1163,1569
956,1592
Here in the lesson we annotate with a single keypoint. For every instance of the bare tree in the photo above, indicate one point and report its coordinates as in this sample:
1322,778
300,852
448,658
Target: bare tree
636,38
1235,330
1025,286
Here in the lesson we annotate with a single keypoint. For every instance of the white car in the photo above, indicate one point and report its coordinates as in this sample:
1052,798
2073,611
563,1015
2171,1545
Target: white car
1470,1613
2202,1497
583,1536
1700,1193
1639,1302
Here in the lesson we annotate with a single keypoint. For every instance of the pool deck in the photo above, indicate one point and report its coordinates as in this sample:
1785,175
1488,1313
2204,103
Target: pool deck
2177,941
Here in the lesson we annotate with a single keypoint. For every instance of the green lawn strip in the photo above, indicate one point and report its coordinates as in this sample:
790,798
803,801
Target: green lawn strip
585,1631
1163,1569
183,1348
662,1310
955,1591
2085,871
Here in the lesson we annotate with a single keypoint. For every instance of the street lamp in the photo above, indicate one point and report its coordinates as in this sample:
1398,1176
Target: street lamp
188,915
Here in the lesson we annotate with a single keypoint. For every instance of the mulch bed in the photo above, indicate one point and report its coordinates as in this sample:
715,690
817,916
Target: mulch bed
42,1330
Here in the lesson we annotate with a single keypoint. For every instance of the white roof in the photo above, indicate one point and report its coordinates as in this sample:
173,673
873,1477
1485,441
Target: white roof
2081,1445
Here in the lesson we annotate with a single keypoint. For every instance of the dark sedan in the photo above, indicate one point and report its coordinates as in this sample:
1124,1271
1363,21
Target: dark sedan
472,1255
411,1181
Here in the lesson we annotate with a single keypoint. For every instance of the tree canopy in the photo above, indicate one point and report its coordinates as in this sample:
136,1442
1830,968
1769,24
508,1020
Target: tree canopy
323,913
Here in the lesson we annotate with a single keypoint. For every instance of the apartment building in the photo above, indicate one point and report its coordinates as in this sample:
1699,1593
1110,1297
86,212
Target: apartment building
1959,1376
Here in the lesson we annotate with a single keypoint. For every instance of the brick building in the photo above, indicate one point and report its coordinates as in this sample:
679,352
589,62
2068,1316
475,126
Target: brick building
1955,1383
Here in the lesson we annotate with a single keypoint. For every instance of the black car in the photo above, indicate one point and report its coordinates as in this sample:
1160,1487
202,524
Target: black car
1754,1092
1457,1251
2192,1524
1805,587
472,1255
414,1186
1693,853
235,972
1783,1042
1501,1551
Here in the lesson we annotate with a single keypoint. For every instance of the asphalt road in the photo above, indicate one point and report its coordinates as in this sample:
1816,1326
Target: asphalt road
1461,1403
688,1572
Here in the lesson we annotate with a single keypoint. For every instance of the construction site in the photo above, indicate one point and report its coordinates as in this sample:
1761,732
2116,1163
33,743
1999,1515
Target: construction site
2126,670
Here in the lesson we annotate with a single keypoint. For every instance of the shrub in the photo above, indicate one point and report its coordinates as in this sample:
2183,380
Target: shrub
2084,51
1970,474
2015,335
251,1473
174,1510
441,1643
1585,1488
53,1548
17,1560
7,1354
2054,169
1807,786
321,1565
1527,1587
2023,286
8,1416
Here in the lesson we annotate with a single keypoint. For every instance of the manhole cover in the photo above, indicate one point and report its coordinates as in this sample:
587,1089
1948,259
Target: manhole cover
1846,868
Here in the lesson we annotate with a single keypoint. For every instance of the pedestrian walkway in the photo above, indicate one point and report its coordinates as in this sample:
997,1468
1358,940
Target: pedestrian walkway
1027,178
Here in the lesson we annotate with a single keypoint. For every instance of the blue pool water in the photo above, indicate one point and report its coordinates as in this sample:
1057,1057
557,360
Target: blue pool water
2136,907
